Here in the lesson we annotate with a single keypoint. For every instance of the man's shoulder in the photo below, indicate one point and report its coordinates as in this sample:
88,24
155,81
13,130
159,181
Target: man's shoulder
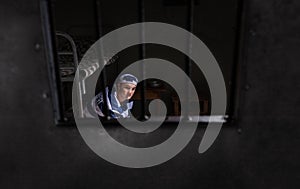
98,98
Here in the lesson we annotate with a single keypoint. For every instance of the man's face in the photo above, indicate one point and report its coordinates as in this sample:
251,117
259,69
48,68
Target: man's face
125,91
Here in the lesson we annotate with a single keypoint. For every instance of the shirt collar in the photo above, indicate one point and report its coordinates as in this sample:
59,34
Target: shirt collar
114,100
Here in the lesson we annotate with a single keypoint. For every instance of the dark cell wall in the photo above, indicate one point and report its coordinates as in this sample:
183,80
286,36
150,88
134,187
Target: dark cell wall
270,108
34,153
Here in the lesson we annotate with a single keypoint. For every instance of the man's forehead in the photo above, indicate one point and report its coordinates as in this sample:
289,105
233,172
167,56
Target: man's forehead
127,85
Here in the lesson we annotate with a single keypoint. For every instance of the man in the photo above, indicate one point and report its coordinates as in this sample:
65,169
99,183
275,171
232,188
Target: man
118,100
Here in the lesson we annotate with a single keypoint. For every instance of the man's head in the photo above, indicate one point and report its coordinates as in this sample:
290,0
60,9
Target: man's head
126,87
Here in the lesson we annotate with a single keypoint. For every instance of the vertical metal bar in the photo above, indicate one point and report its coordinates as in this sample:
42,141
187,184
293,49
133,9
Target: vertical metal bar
53,68
190,25
100,53
236,77
142,55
